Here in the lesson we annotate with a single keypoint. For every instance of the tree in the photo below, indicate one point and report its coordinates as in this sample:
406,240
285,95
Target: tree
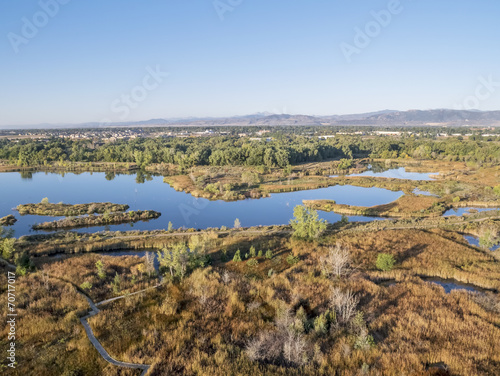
101,269
269,254
179,260
45,201
252,251
237,223
344,304
306,223
149,263
250,178
116,283
385,262
337,262
237,256
7,246
170,226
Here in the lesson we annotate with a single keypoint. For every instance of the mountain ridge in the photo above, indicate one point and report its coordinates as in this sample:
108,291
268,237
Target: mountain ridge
436,117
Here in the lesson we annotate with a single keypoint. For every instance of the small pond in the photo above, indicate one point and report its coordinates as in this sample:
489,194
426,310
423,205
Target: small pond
461,211
472,240
394,173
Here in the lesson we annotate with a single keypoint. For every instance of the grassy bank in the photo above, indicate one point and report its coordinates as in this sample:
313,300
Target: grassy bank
69,210
8,220
98,220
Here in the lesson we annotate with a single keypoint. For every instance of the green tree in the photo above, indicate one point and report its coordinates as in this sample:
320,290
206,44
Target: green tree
45,201
250,178
306,223
385,261
237,256
252,251
170,226
101,269
116,283
180,260
269,254
7,247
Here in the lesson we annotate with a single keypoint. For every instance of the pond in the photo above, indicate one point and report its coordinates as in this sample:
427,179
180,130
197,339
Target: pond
461,211
394,173
417,191
448,284
472,240
182,209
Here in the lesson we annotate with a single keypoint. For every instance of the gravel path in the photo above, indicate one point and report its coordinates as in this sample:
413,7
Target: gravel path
94,311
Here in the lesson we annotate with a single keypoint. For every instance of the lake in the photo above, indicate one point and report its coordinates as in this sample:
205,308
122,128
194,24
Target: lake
182,209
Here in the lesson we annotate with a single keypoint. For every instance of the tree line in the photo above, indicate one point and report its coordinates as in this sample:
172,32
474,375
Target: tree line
283,150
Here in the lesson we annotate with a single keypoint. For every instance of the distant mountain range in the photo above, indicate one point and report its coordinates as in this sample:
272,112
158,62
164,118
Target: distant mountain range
442,117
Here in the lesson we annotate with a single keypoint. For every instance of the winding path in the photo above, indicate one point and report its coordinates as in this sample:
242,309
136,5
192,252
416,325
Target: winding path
94,311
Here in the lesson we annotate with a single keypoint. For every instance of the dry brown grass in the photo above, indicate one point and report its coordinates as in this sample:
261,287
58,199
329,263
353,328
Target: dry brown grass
427,253
50,338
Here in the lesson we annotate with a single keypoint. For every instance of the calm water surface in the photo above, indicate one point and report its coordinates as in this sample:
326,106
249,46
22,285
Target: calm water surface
472,240
182,209
395,173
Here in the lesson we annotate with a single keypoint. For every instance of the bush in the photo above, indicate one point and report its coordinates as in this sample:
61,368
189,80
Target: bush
269,254
496,190
86,285
385,262
292,260
252,263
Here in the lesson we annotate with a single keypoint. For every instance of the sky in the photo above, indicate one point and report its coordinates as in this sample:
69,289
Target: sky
74,61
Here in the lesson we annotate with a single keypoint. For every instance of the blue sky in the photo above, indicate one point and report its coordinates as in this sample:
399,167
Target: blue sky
252,56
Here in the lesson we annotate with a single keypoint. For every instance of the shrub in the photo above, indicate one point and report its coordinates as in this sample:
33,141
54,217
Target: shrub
269,254
252,263
86,285
496,189
385,262
292,260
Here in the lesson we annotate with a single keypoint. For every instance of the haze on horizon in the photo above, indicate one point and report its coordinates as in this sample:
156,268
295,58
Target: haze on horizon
76,62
